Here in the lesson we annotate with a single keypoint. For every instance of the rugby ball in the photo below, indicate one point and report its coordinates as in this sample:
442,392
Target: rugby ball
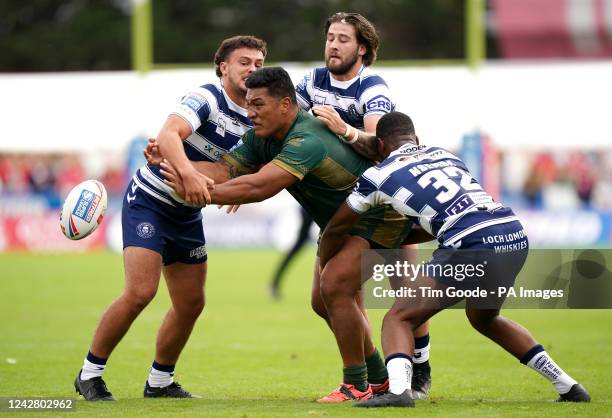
83,209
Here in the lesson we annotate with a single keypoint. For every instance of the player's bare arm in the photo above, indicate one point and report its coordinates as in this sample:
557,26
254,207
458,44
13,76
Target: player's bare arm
170,142
249,188
364,143
336,232
263,184
219,171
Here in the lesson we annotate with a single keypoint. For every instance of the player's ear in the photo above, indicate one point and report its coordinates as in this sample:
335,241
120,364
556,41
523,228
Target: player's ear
223,67
285,104
362,50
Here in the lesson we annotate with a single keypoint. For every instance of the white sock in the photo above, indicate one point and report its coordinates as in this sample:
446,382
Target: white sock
543,364
421,355
91,370
159,378
400,375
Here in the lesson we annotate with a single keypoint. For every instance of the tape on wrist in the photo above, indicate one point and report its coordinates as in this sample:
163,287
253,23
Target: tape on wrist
354,137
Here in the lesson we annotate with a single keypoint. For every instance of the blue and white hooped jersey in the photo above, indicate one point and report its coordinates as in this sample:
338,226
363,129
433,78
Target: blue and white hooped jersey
366,94
217,126
432,185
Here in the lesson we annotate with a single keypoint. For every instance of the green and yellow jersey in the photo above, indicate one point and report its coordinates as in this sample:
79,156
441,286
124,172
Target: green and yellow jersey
327,170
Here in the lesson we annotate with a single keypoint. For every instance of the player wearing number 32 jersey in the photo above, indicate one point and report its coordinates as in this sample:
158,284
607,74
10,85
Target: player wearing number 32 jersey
434,187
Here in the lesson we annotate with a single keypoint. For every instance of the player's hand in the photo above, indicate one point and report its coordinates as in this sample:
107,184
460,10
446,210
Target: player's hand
197,193
197,187
151,152
172,179
229,208
331,118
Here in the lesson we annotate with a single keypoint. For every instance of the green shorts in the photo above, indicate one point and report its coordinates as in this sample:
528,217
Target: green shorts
382,227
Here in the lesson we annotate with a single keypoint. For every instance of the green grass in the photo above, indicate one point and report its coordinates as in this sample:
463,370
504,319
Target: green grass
250,356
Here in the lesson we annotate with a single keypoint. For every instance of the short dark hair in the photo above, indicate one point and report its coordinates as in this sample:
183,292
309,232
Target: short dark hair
229,45
365,30
395,124
275,79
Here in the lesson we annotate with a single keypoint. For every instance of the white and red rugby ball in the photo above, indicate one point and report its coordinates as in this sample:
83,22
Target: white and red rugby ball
83,209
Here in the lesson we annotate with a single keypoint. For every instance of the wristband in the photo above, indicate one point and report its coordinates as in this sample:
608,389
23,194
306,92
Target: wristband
347,134
354,137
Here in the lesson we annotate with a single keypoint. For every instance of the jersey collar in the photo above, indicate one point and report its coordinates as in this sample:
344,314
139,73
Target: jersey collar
233,106
344,84
407,149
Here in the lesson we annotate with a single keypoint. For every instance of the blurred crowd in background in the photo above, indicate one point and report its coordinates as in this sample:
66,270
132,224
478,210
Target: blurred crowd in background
46,179
563,179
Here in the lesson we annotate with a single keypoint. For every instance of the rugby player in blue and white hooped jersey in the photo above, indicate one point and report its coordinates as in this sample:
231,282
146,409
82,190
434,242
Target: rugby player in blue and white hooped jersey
163,233
435,187
350,98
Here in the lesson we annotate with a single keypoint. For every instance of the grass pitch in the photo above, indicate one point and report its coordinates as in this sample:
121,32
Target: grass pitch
251,356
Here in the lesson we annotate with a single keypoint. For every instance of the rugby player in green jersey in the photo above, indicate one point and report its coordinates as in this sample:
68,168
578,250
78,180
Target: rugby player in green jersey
290,149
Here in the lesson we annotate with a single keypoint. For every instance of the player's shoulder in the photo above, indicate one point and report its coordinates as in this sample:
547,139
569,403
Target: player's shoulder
208,90
368,79
384,170
209,94
367,182
310,132
320,78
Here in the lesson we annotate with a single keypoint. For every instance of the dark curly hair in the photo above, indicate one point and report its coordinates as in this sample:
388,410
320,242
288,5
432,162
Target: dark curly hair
229,45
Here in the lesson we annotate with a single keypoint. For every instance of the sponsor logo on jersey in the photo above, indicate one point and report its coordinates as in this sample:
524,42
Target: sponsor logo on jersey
379,102
193,102
459,205
220,126
353,116
145,230
86,205
199,252
318,100
413,148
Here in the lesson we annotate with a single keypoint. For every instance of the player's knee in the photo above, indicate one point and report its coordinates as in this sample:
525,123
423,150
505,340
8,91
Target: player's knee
139,298
317,305
480,319
335,285
409,316
191,308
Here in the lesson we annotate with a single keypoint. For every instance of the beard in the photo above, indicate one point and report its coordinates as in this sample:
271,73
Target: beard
344,66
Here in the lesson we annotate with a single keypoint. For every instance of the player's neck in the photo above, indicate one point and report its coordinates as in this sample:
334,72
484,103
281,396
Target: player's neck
281,133
350,74
235,95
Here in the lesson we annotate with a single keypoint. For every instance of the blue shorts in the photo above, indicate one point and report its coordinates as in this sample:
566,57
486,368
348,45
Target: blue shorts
488,258
175,233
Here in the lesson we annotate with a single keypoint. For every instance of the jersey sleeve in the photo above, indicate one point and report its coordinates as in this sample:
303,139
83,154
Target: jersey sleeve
365,195
244,156
304,92
376,97
196,107
301,154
